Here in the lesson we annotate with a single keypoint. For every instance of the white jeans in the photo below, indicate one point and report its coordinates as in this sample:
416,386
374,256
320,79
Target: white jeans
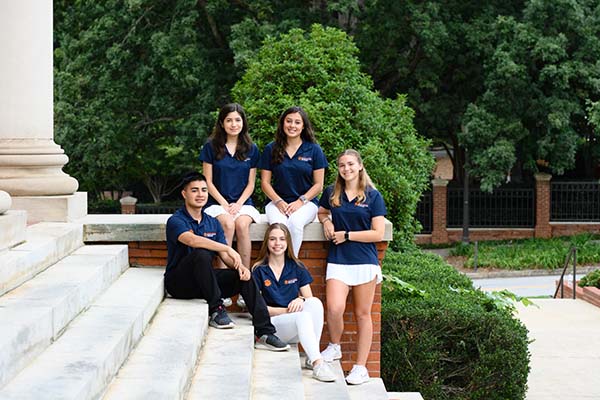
295,222
304,326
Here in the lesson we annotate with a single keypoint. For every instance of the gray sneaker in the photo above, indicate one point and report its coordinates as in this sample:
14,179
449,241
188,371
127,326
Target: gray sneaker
323,372
220,320
308,363
271,342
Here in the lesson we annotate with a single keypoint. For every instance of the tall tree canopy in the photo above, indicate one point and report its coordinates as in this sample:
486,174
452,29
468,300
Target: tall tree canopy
320,71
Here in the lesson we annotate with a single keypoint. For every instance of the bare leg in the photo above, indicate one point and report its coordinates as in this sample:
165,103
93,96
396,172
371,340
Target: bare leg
228,225
242,234
337,292
363,300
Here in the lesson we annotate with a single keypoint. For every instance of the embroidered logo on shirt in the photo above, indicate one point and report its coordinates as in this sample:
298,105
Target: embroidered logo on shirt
363,205
290,281
210,234
304,158
267,282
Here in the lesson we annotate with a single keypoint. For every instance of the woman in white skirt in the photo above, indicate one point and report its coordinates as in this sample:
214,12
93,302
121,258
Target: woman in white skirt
285,285
353,213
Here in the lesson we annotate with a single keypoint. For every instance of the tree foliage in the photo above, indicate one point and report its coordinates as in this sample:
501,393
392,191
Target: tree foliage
319,70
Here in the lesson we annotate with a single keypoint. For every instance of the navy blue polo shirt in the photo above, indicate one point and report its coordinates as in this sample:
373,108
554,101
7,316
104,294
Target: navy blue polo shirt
279,293
353,216
181,221
294,176
229,175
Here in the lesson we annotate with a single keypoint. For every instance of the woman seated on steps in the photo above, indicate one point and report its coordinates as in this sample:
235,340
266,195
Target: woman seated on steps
285,286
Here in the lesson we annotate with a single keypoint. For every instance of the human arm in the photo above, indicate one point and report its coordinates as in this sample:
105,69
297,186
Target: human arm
269,191
207,171
313,191
375,234
248,190
229,256
324,216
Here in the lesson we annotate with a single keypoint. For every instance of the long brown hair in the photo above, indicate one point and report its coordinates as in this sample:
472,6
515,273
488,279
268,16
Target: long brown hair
263,254
364,181
307,134
219,136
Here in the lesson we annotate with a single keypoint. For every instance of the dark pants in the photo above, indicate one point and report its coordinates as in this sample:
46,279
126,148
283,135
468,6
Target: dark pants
195,278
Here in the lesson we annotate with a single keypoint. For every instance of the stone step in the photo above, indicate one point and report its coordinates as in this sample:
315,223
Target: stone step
316,390
81,363
162,364
277,375
45,244
12,225
372,390
225,364
34,314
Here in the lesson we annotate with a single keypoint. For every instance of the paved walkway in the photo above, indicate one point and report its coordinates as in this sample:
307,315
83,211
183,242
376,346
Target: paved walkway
565,352
525,286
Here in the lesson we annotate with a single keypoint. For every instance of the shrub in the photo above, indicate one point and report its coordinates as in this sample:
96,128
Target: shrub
320,71
447,340
591,279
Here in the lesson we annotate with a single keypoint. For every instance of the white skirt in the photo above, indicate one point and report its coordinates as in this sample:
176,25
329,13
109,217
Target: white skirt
354,274
215,210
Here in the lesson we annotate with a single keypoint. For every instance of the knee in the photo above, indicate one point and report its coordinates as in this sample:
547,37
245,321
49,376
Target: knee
203,257
313,303
242,228
336,310
228,224
362,315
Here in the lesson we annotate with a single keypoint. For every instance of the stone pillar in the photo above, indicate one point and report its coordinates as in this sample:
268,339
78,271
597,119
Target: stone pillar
439,233
542,205
30,161
12,223
128,205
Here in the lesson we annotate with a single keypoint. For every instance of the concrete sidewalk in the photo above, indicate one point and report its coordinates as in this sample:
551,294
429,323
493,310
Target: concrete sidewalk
565,352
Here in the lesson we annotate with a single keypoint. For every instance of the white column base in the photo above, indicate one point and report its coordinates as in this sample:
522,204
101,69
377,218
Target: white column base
66,208
12,228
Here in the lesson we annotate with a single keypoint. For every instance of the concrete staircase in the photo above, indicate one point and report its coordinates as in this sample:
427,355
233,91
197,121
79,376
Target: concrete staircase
77,323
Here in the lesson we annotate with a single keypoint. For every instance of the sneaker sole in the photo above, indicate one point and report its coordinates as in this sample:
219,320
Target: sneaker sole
357,383
228,326
321,379
263,346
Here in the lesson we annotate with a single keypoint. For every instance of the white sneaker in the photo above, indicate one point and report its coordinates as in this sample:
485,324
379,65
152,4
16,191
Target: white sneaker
240,302
308,363
323,372
332,352
227,302
358,375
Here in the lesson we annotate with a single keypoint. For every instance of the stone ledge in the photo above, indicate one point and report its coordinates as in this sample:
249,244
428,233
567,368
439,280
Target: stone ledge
63,208
151,227
12,228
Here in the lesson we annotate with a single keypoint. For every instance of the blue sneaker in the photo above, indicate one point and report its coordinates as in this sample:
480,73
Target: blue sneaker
271,342
220,320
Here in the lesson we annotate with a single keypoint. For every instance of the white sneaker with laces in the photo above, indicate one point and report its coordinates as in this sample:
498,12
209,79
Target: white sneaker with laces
358,375
323,372
332,352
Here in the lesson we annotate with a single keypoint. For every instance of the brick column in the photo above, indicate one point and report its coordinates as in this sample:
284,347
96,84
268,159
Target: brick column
128,205
439,234
542,205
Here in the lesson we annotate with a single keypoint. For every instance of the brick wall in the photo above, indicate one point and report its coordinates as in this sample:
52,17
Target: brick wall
589,294
313,254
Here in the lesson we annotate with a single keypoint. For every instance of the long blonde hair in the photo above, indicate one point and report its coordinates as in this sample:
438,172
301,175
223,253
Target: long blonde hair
364,181
263,254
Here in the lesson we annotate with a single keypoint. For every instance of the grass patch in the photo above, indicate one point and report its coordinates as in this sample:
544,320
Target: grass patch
530,253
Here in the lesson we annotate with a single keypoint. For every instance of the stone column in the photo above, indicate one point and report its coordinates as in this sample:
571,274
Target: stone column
542,205
439,233
30,161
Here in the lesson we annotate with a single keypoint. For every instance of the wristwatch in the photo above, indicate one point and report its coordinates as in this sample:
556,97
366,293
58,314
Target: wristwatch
304,199
347,235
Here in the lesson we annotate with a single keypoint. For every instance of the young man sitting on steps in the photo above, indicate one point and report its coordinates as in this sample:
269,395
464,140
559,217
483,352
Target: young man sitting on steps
193,240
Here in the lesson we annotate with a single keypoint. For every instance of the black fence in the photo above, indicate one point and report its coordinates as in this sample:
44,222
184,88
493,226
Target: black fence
156,208
509,207
424,212
575,201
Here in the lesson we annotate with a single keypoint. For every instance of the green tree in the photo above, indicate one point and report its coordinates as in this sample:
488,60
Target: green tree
542,85
320,71
136,82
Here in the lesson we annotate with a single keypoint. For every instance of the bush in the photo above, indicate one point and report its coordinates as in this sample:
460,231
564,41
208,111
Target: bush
320,72
445,339
591,279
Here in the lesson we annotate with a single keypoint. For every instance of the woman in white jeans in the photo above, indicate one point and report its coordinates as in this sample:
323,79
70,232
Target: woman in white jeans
292,174
285,286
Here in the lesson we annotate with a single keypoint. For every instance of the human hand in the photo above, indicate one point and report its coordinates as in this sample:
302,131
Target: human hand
281,206
293,207
338,237
296,305
233,208
236,259
328,229
244,273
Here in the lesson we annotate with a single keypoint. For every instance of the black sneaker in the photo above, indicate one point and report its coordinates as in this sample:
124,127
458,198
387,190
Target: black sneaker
220,320
271,342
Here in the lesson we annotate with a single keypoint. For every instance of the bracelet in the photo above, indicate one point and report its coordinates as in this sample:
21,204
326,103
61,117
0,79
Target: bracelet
325,220
301,297
277,202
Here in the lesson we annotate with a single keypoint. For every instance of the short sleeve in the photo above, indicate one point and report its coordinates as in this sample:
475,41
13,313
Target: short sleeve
304,277
377,204
320,161
324,200
175,227
254,156
207,155
265,158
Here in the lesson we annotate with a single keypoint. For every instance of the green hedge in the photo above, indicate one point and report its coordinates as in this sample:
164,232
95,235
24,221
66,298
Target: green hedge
591,279
444,339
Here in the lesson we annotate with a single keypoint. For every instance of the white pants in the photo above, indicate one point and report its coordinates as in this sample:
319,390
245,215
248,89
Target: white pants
304,327
295,222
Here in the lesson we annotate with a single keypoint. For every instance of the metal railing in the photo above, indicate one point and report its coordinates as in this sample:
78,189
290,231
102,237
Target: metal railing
572,254
156,209
424,213
504,208
575,201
